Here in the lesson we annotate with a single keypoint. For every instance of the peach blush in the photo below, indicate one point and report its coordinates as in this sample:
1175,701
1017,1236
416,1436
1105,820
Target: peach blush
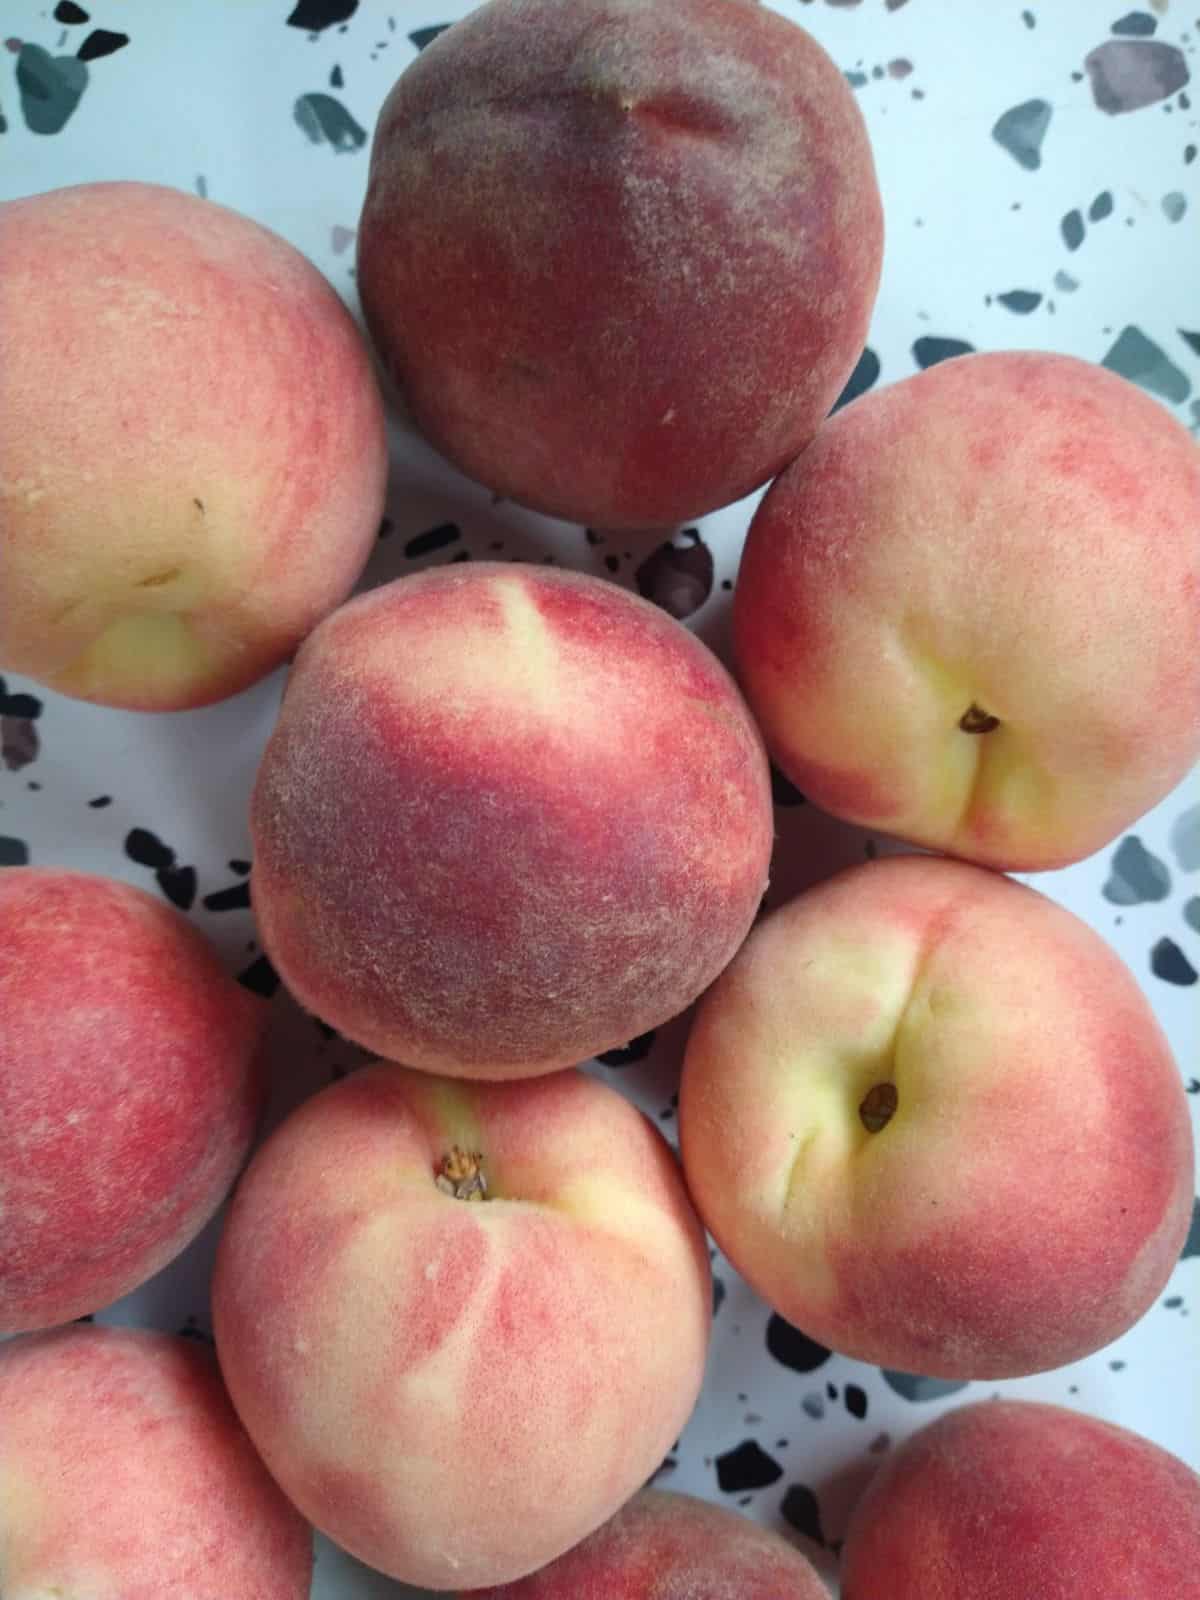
130,1089
510,817
462,1323
966,615
192,454
930,1116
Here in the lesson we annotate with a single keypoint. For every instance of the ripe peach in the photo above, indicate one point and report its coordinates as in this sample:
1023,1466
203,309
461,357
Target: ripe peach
966,615
620,255
124,1475
130,1089
662,1546
1008,1499
458,1392
930,1116
510,817
192,455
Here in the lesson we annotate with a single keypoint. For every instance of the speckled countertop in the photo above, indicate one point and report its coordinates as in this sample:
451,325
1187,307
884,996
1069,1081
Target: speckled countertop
1040,179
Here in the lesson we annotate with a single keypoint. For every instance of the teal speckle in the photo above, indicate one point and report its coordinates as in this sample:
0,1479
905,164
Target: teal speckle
50,87
1135,876
326,121
1139,359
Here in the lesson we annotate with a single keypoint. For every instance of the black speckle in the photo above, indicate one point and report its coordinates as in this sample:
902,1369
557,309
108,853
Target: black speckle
1191,1245
1116,1366
636,1050
422,37
794,1349
718,1295
1168,962
424,544
239,866
67,11
1072,229
260,977
100,42
1022,301
864,376
313,15
612,563
856,1400
13,852
147,849
385,528
1135,25
747,1467
1021,129
1193,339
178,884
592,537
799,1509
191,1331
831,1390
1101,206
337,79
1173,1302
25,707
677,576
929,349
100,802
1189,154
911,1386
235,898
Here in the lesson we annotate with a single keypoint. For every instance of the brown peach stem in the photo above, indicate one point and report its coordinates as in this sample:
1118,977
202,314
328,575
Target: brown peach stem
878,1106
976,720
460,1173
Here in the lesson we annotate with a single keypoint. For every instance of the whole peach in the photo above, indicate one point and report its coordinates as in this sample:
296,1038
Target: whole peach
662,1546
125,1475
967,614
510,817
463,1323
192,456
1008,1499
621,255
130,1089
931,1117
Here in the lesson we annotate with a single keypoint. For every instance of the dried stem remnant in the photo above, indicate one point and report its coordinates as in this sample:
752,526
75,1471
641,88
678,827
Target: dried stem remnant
976,720
460,1173
878,1106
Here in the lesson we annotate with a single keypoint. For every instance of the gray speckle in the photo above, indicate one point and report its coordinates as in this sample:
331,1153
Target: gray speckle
910,1386
13,852
1184,839
1191,913
50,87
900,67
1028,18
202,186
1022,301
1128,74
326,120
1021,130
19,742
1136,877
1138,358
813,1405
1072,229
1064,282
930,348
1135,25
1174,205
857,80
1168,962
1101,206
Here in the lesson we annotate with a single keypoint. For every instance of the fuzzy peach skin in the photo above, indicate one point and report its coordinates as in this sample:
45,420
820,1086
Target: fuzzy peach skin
1030,1193
967,614
125,1475
1008,1499
621,255
662,1546
192,455
455,1391
510,817
130,1088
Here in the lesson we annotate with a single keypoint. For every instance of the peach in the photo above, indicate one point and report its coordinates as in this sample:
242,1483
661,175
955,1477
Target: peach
192,455
930,1116
510,817
131,1083
663,1546
1010,1499
966,615
457,1392
621,256
125,1475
